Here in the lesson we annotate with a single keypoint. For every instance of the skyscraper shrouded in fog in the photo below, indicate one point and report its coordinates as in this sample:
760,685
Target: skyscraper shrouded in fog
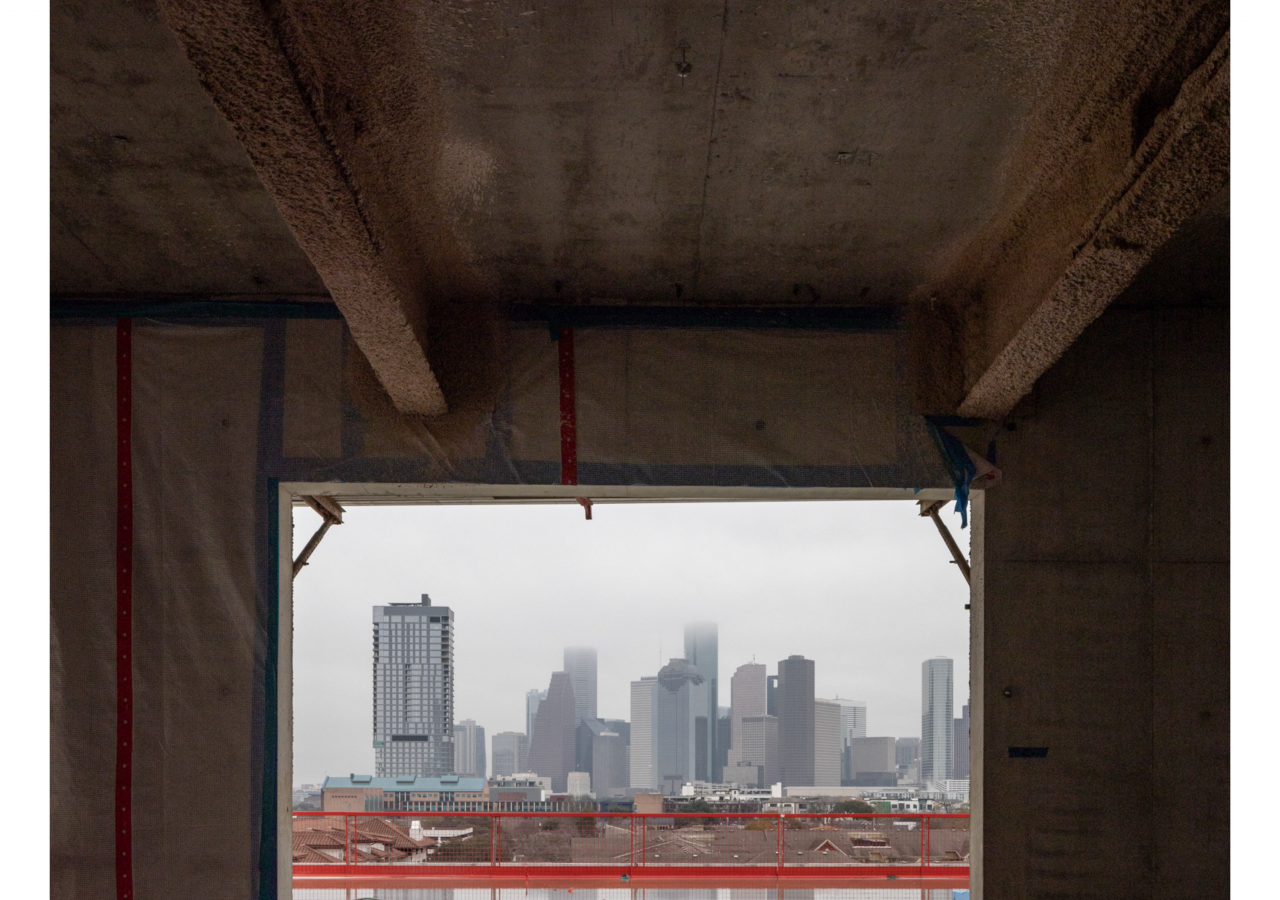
580,663
702,649
510,753
641,769
531,700
937,728
413,689
469,749
795,720
551,751
748,696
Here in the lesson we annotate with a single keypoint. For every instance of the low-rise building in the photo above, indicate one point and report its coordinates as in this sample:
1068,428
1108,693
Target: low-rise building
448,793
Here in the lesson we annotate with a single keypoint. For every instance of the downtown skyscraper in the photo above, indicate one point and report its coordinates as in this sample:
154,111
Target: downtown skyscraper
469,749
937,728
748,696
510,753
795,720
642,771
580,663
680,700
531,700
701,649
413,689
551,749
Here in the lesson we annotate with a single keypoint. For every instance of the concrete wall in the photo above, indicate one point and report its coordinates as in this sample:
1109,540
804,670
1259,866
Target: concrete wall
1101,609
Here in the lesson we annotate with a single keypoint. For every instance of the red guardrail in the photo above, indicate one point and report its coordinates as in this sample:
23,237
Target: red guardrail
630,845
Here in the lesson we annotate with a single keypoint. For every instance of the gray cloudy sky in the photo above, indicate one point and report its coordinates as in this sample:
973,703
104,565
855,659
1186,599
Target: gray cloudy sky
864,588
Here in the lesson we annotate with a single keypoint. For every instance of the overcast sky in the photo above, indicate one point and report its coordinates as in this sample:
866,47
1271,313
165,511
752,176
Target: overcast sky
864,588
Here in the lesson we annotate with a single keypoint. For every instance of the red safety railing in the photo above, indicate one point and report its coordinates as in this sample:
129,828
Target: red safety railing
631,845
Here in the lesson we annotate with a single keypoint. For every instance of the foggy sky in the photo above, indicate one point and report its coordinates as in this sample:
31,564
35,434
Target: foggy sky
864,588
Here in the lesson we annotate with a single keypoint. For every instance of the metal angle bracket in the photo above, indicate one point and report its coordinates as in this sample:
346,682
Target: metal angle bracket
329,510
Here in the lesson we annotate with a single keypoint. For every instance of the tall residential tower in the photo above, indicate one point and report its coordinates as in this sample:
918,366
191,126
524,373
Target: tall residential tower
413,689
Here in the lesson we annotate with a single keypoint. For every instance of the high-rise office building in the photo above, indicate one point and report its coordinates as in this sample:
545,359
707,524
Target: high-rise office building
551,751
702,649
795,720
748,696
723,729
413,689
510,753
853,724
641,775
853,718
937,728
960,768
608,765
771,696
760,747
580,663
531,700
468,749
680,696
828,742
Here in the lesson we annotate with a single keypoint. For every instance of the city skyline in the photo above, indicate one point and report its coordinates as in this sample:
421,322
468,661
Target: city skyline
679,727
645,612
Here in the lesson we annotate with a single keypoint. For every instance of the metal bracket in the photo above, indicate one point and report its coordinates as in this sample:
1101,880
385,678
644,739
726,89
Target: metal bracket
930,508
331,512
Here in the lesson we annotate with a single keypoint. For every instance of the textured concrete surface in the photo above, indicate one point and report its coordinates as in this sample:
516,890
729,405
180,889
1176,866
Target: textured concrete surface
1105,604
149,190
1009,165
1182,162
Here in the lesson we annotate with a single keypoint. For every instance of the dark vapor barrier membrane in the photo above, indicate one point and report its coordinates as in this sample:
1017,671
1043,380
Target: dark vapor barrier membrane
224,409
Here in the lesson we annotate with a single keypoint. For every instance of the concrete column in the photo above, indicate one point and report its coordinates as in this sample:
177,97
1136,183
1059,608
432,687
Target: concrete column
1101,618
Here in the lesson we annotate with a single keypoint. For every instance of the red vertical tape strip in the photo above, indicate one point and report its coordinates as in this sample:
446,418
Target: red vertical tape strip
124,609
568,411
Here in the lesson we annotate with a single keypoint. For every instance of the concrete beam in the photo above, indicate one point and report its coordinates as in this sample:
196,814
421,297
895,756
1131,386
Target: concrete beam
253,65
1083,221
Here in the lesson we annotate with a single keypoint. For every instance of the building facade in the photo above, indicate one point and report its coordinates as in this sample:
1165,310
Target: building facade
680,697
870,758
609,774
367,793
641,775
469,749
960,767
702,650
795,720
828,743
580,663
937,728
413,689
551,751
510,753
760,748
531,701
748,696
853,724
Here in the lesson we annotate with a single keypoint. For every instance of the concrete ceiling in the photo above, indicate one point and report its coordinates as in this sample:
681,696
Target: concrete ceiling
1008,164
151,193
